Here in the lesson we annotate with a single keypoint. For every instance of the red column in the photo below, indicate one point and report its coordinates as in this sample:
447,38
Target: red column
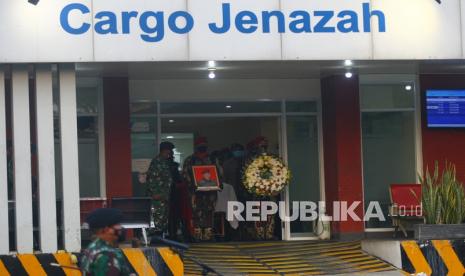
342,149
442,144
117,137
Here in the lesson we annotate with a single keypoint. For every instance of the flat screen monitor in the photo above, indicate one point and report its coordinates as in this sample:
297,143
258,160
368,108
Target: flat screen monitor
445,108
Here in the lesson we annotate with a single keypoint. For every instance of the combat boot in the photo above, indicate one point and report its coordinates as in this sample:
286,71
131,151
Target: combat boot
207,234
197,235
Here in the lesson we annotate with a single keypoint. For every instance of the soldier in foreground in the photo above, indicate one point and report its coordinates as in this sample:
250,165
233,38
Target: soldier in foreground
102,257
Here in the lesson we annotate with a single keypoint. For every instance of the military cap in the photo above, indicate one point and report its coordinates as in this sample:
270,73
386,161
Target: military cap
104,217
201,141
166,146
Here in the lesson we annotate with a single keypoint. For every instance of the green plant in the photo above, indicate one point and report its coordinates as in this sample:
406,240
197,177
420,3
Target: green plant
443,197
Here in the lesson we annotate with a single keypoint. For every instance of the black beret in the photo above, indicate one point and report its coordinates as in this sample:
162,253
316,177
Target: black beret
104,217
166,146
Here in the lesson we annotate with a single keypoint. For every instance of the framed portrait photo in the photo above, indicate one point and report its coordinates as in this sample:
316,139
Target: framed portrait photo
206,178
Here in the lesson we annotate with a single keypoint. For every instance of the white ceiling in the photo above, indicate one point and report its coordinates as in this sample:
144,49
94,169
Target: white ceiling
263,69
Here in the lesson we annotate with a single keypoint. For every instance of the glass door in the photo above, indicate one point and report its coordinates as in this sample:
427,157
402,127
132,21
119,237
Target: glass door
301,135
303,160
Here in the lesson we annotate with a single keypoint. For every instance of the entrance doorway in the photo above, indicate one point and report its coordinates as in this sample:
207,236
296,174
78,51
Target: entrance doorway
221,133
293,130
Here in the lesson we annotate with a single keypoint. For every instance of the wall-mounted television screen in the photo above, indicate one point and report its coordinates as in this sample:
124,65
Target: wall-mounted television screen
445,108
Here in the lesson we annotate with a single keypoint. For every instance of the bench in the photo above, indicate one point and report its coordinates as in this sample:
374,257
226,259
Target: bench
137,213
405,205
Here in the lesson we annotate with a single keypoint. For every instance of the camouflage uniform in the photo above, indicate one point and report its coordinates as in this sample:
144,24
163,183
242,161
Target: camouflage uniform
159,181
203,203
101,259
261,230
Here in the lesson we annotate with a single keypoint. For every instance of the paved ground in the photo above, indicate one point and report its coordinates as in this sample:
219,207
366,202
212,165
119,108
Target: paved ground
287,258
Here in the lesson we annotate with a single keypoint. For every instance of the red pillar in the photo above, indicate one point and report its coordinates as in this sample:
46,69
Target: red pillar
442,144
117,137
342,149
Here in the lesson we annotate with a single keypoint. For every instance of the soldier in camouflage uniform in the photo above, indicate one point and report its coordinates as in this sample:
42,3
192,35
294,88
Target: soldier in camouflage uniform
203,203
159,180
102,257
262,230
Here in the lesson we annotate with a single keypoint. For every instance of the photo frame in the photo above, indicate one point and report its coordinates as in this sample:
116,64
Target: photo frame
206,178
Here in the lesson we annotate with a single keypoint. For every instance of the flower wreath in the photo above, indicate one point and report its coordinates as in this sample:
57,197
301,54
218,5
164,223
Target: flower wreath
266,175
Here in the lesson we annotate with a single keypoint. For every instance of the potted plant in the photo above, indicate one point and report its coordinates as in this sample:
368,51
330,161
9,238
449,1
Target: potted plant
443,204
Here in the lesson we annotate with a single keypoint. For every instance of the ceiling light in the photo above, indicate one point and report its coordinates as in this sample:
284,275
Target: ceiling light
211,64
171,121
348,62
212,75
349,75
408,87
169,137
34,2
228,107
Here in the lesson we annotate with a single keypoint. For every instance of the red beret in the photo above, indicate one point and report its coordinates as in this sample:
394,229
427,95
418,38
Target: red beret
201,141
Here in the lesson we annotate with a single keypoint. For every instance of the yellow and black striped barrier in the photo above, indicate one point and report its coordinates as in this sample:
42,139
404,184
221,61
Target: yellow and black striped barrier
143,261
435,257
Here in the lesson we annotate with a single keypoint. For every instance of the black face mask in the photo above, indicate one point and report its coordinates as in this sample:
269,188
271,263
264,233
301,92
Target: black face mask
121,234
202,149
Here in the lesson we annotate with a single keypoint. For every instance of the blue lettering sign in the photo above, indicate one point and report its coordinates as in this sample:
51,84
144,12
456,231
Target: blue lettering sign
153,25
181,30
64,19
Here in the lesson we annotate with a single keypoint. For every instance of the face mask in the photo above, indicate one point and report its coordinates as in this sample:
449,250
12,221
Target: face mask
202,149
238,153
121,234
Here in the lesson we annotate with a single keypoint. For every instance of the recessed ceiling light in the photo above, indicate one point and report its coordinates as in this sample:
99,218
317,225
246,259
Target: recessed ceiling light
212,75
349,75
408,87
171,121
211,63
348,62
228,107
169,137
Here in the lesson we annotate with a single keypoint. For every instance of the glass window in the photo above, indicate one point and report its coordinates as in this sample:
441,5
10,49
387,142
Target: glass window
387,96
221,107
143,146
88,101
148,108
301,107
303,158
388,141
88,139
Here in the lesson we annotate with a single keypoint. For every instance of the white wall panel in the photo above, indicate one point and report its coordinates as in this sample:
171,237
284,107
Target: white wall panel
69,158
233,45
30,33
46,159
4,230
419,29
131,47
415,29
326,46
22,159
